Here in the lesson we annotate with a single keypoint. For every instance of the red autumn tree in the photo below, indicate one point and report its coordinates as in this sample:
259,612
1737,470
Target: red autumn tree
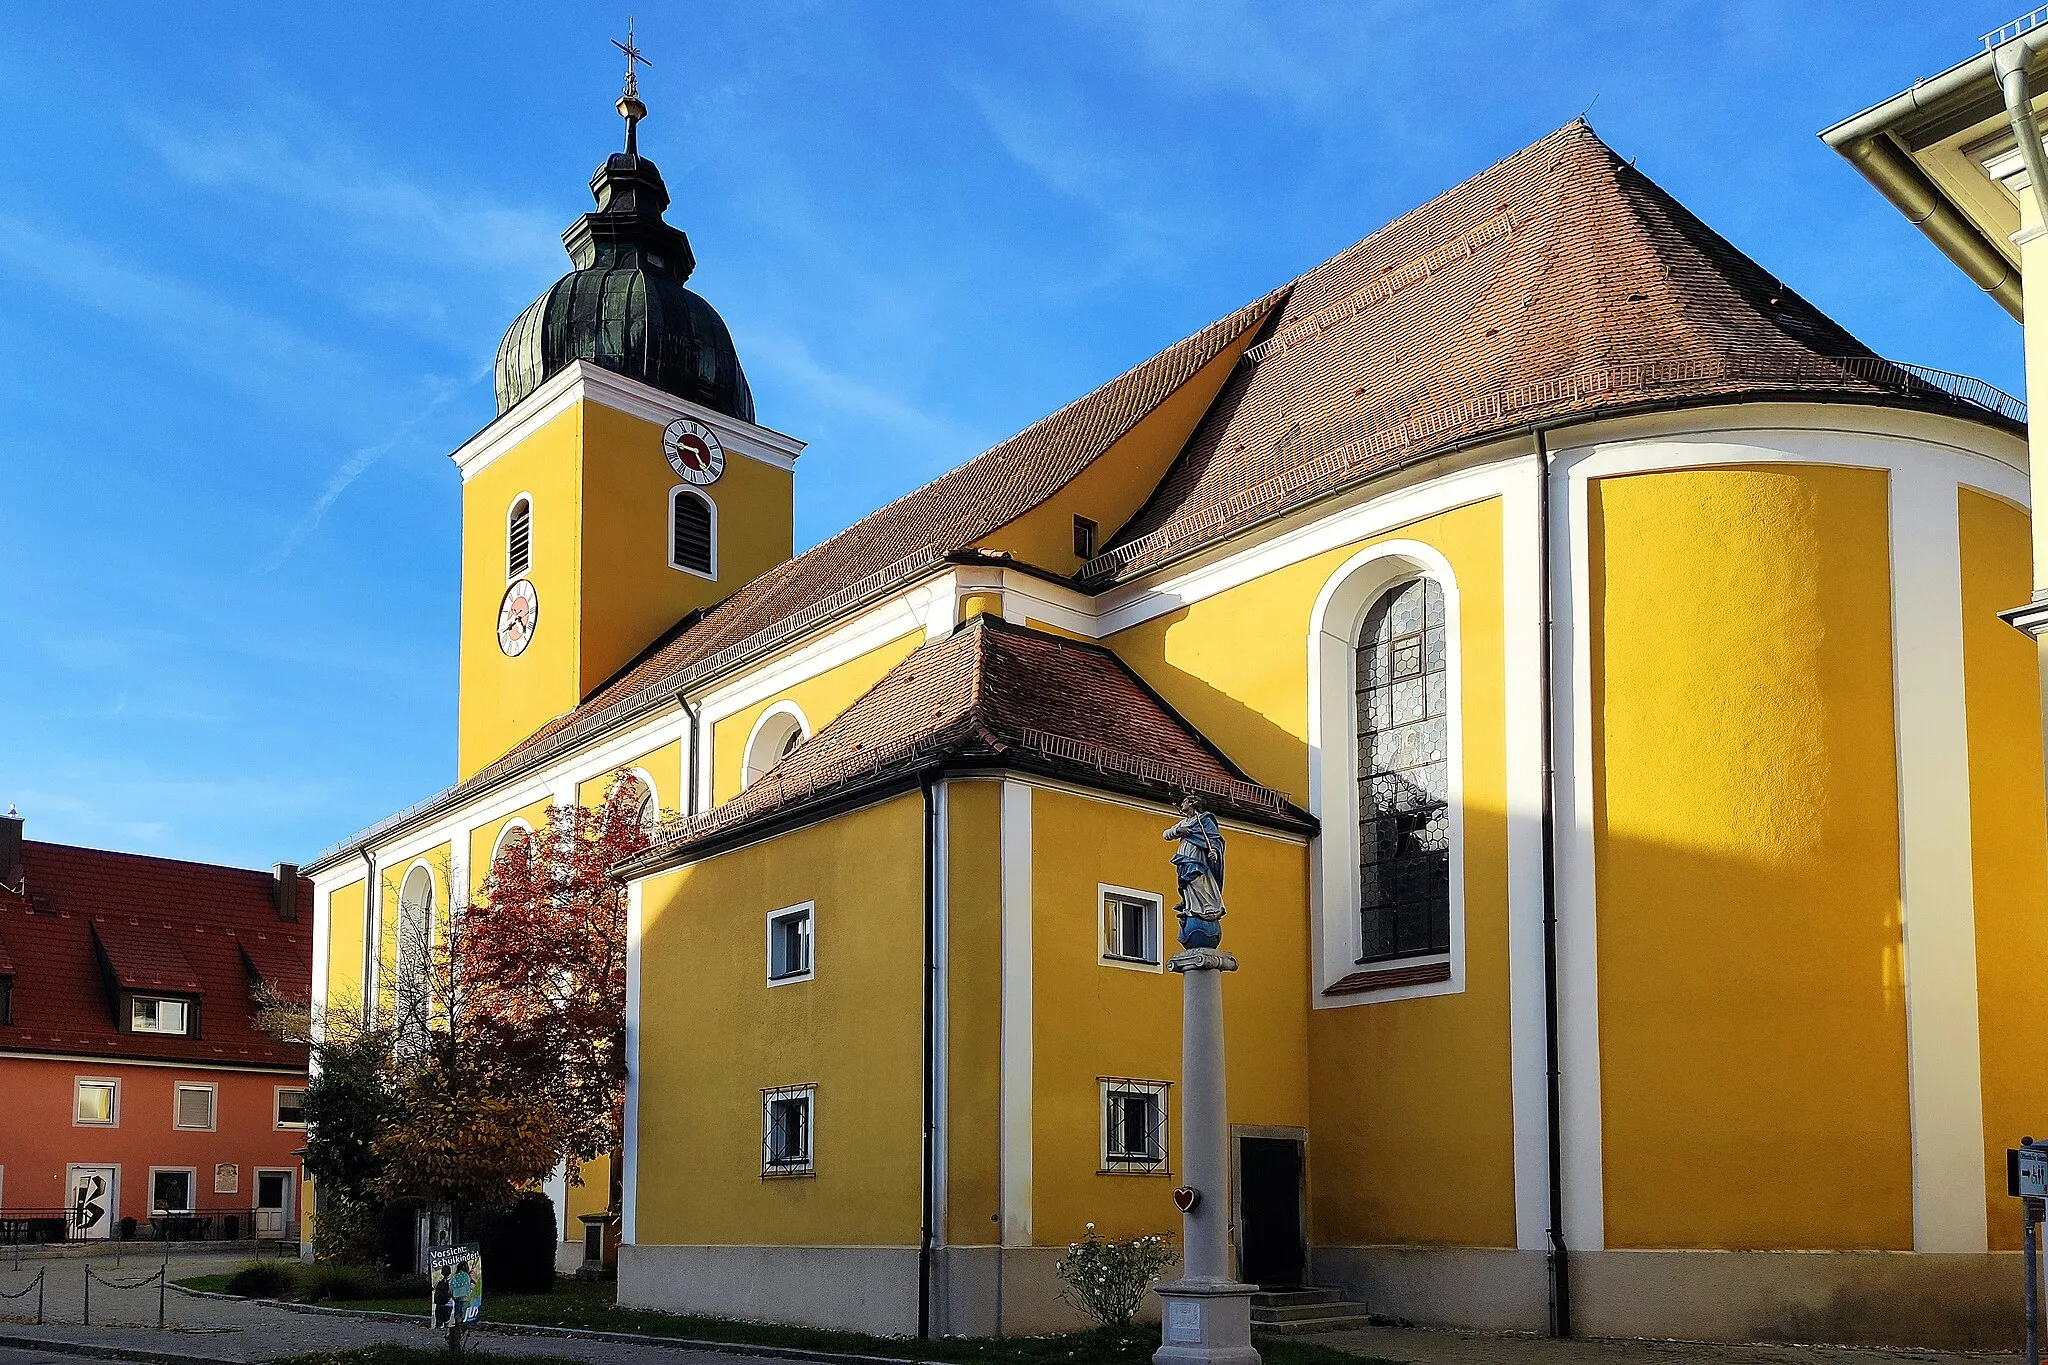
540,960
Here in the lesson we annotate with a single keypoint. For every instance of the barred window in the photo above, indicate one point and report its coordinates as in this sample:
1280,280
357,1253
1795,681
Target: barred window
519,538
691,532
1404,776
786,1127
1133,1124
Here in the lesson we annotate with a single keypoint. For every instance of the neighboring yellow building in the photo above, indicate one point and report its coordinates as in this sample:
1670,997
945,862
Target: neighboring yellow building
1591,652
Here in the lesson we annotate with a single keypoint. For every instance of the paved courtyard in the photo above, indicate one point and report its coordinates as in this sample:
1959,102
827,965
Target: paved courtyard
214,1329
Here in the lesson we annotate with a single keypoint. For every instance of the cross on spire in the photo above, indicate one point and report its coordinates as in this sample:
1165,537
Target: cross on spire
630,107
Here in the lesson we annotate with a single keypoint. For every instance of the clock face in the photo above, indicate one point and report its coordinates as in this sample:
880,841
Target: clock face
693,451
518,615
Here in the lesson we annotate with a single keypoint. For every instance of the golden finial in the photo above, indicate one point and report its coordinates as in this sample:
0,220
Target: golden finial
629,106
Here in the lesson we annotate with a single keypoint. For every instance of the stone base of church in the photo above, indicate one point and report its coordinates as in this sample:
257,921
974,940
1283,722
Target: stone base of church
1855,1298
975,1291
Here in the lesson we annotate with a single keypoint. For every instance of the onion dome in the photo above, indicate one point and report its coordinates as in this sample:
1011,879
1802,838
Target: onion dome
624,306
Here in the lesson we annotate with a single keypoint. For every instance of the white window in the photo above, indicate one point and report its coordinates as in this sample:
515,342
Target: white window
194,1107
775,736
148,1014
633,795
1130,927
519,537
1133,1125
515,829
790,946
170,1191
415,941
692,533
1404,793
787,1129
97,1103
291,1106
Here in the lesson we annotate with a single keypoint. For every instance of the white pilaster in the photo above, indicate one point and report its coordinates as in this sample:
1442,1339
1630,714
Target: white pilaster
1017,1014
629,1173
1938,910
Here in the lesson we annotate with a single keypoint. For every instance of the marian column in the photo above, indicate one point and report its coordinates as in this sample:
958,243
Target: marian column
1207,1313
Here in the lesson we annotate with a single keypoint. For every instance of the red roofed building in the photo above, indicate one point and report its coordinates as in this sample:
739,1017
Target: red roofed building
138,1084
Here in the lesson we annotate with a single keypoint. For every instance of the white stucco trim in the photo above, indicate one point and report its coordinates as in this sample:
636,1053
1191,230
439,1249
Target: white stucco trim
942,971
629,1163
1528,1029
690,490
1015,1158
1938,910
581,380
1334,624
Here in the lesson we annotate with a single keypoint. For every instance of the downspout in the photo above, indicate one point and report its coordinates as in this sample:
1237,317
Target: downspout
2010,60
690,775
928,1177
1559,1256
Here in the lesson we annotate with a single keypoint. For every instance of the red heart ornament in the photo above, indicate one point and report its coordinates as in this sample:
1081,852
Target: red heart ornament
1187,1198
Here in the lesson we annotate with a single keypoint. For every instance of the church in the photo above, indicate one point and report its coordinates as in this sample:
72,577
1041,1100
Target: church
1633,801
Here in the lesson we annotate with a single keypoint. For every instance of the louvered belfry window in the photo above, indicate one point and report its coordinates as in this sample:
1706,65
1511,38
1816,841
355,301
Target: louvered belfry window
692,526
519,539
1404,821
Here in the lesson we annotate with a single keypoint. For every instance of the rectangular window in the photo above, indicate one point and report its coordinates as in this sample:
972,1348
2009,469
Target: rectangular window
786,1127
147,1014
1133,1125
1084,538
1130,926
97,1104
789,945
194,1107
291,1107
170,1191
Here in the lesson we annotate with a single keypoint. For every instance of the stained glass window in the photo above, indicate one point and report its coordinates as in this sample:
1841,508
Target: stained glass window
1404,823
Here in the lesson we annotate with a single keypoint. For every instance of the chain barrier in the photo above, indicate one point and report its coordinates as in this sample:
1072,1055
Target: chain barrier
161,1280
35,1284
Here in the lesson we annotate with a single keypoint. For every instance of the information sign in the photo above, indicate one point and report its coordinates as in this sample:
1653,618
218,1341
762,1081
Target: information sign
457,1276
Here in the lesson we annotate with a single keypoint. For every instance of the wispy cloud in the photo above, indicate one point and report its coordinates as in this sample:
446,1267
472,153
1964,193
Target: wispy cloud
792,361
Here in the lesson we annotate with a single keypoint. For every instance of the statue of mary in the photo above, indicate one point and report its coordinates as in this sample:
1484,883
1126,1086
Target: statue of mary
1199,863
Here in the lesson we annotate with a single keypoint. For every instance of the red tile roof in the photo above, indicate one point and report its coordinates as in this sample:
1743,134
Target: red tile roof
993,694
178,927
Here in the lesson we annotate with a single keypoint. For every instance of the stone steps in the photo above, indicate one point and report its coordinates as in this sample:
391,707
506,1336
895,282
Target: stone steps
1291,1312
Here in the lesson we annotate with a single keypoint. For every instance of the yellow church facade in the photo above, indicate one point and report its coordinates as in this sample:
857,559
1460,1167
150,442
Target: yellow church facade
1634,803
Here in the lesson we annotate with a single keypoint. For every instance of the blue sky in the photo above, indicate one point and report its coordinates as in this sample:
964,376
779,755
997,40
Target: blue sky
255,261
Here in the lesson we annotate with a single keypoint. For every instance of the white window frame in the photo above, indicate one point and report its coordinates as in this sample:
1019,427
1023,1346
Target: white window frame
191,1174
510,508
277,1095
113,1107
809,910
1156,964
137,1000
710,503
1121,1164
1338,617
808,1093
771,731
212,1090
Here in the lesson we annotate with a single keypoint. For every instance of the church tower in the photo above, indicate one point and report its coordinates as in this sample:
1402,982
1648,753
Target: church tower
624,483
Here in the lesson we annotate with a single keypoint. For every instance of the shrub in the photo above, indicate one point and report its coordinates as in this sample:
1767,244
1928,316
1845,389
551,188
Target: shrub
258,1280
518,1243
344,1230
1105,1278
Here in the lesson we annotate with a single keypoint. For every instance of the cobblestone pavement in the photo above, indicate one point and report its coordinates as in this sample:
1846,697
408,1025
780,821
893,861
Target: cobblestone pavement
1442,1346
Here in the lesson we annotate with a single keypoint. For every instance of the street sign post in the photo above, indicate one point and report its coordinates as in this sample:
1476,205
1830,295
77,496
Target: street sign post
2026,1179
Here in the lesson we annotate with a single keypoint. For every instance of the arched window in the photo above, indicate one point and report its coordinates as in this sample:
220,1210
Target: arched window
634,795
693,533
415,939
514,829
519,537
1404,823
776,735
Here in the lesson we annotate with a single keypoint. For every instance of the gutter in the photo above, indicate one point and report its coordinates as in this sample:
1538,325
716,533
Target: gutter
1558,1257
2010,60
1869,143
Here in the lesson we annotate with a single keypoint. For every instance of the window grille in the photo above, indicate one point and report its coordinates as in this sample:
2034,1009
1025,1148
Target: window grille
1133,1124
691,518
789,944
1084,538
195,1107
786,1127
291,1108
96,1104
1404,818
1130,927
519,539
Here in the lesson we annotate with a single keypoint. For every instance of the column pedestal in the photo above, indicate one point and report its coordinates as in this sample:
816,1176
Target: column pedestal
1207,1317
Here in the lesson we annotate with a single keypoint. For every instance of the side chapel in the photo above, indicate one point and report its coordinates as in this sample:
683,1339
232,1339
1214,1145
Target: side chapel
1634,802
